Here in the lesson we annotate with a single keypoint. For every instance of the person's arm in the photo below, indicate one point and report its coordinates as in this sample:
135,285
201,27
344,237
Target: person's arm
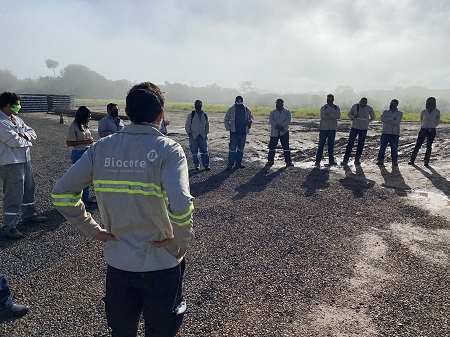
175,182
372,115
287,121
438,118
27,132
187,124
227,120
335,113
11,137
272,121
351,114
66,197
207,125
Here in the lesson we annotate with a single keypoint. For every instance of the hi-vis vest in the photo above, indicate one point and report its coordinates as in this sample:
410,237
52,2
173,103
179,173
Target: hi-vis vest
141,183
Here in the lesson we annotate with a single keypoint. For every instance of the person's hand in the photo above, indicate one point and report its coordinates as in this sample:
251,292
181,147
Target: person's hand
89,141
167,122
169,242
104,236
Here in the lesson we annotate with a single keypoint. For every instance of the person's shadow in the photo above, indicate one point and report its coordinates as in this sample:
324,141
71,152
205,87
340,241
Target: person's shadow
212,183
356,182
316,179
394,180
440,182
258,183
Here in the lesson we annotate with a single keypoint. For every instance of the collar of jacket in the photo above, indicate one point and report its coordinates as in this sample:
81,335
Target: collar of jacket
140,128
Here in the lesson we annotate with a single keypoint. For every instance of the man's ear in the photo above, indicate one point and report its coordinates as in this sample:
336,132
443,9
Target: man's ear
160,117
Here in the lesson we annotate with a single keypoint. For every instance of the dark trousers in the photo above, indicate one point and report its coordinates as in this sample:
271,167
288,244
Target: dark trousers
325,135
392,140
284,143
236,148
5,293
75,156
429,135
155,293
361,134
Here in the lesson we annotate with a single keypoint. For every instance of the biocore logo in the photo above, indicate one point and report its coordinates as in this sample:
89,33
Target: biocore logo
113,162
152,155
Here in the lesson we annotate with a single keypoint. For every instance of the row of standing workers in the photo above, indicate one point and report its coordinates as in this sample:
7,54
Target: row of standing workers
239,119
137,166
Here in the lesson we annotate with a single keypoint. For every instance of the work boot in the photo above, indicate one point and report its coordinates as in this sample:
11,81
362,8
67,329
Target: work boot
290,164
269,163
411,162
34,219
14,311
381,163
240,166
12,233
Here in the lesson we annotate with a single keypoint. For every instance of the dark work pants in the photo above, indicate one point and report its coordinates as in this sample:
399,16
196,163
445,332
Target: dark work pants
284,143
5,293
361,134
155,293
325,135
392,140
429,135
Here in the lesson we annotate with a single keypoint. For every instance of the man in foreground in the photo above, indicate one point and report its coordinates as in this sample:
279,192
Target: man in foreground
391,132
279,120
430,117
145,243
238,120
329,115
361,115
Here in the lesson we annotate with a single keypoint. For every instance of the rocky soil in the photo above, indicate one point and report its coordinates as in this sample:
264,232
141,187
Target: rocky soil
302,251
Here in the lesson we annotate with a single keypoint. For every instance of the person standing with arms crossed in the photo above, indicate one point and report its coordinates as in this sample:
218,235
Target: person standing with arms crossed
145,242
329,115
279,120
391,132
361,115
430,117
197,128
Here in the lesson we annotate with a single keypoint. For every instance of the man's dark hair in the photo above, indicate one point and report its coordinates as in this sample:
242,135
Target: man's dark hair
8,98
396,101
82,117
363,99
330,95
110,106
144,103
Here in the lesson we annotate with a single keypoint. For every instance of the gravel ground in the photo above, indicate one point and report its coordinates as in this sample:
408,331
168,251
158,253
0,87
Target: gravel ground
301,251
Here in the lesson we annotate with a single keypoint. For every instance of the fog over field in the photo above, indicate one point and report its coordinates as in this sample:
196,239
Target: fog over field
286,46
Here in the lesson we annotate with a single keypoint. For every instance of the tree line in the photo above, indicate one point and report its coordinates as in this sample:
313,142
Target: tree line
82,82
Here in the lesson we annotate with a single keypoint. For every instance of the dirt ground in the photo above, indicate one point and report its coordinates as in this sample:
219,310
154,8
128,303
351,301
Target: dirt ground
302,251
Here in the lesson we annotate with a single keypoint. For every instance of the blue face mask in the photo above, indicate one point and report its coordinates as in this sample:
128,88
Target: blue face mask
16,108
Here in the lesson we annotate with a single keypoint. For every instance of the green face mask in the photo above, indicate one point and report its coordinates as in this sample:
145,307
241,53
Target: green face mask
16,108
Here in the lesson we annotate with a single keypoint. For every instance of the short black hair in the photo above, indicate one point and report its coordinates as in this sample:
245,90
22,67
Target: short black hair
110,106
330,95
8,98
144,103
395,100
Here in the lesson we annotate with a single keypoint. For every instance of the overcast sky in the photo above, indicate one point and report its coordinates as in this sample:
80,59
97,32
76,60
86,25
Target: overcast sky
284,46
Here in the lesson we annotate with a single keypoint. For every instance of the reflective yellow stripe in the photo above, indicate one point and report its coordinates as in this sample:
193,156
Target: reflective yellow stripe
181,224
65,199
191,209
129,187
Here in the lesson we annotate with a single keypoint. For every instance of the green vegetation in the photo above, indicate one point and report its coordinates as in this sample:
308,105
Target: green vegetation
100,105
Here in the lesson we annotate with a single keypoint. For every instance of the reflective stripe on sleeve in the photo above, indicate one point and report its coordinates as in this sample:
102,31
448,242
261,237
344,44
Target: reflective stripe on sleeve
181,220
65,199
130,187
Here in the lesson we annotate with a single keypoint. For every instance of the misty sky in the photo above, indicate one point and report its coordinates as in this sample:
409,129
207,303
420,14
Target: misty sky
285,45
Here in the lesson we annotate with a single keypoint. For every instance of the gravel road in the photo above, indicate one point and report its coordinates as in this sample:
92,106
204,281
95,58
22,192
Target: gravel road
298,251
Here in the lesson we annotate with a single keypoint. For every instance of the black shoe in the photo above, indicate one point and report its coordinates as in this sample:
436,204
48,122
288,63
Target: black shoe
240,166
269,163
290,164
12,233
89,201
16,310
207,168
380,163
426,164
34,219
197,168
229,167
317,163
410,162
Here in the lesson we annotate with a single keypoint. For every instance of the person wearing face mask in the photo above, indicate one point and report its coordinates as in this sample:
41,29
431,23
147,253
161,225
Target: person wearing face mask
15,168
391,132
430,117
279,120
361,115
197,127
112,123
